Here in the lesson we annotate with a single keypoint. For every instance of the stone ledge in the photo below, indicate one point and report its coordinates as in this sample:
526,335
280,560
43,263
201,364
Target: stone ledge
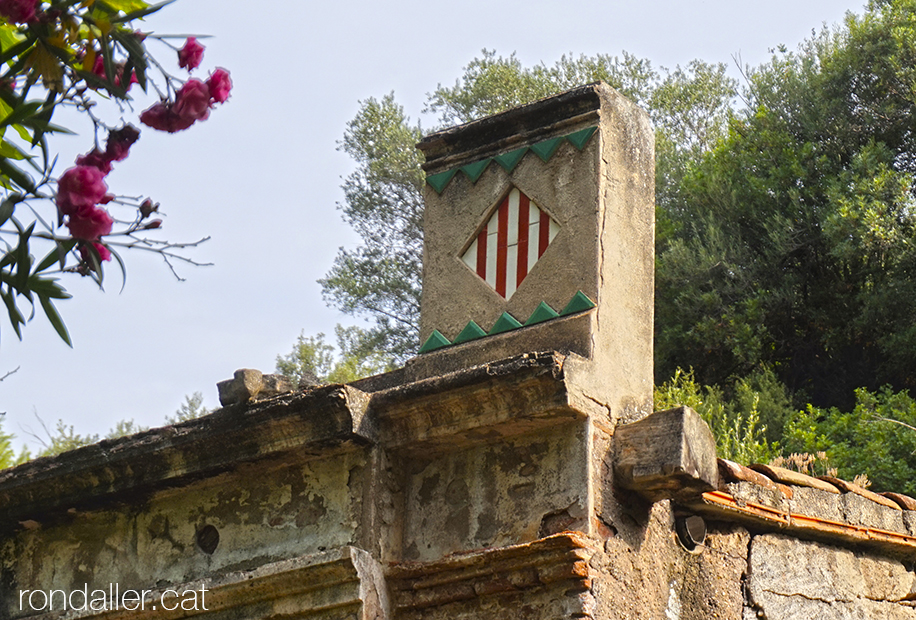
482,403
668,454
473,405
303,424
567,334
534,122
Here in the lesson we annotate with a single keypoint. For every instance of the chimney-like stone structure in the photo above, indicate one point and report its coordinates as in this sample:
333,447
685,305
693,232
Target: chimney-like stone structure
539,236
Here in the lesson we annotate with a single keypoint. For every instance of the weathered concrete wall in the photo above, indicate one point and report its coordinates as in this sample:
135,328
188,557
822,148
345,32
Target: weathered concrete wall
342,486
494,495
258,512
482,494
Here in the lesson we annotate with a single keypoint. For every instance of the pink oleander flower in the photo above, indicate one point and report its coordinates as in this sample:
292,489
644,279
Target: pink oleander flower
79,188
116,149
157,117
104,253
120,141
193,101
190,55
18,11
90,223
98,68
161,116
192,104
219,85
96,159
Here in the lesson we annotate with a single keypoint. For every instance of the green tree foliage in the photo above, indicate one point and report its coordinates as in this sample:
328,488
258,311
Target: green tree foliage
878,438
65,438
7,454
735,421
791,245
313,360
191,409
383,201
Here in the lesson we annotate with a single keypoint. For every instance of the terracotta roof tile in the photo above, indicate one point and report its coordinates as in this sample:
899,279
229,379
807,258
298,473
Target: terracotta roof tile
904,501
849,487
733,472
787,476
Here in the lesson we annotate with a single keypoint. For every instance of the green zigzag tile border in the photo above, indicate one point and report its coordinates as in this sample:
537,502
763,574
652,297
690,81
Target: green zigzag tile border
506,323
547,148
510,160
544,149
471,331
435,341
439,181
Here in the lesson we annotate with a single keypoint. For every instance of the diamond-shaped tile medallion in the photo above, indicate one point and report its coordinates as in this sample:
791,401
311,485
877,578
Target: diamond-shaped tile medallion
510,243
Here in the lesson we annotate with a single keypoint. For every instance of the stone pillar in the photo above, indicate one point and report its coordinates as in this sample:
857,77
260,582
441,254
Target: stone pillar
539,235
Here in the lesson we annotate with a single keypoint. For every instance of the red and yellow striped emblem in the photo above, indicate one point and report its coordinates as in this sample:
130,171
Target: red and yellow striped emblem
514,238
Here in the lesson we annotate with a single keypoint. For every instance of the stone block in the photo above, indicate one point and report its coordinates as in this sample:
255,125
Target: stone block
249,384
245,383
668,454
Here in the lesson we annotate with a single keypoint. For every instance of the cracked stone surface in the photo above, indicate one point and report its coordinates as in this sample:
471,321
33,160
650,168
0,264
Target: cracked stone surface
790,578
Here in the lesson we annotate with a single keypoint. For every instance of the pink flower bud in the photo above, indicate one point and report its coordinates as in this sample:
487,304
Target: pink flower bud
147,208
153,224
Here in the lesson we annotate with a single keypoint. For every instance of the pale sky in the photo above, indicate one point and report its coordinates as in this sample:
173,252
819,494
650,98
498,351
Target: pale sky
262,178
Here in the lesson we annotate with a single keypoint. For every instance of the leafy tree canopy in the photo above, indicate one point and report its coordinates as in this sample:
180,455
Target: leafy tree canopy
791,242
877,437
314,361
